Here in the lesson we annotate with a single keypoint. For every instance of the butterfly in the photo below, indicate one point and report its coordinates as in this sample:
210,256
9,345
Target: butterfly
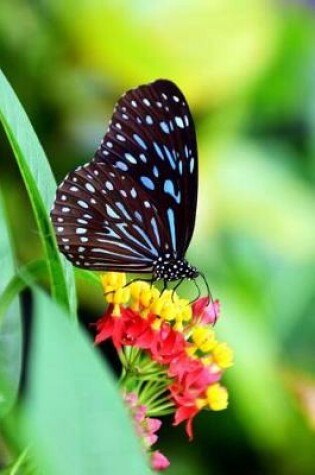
132,208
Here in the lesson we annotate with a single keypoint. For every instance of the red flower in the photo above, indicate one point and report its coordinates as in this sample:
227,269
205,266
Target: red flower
140,331
167,344
110,327
192,378
186,413
206,312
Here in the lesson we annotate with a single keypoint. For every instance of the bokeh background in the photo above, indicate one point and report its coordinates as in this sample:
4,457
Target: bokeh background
247,68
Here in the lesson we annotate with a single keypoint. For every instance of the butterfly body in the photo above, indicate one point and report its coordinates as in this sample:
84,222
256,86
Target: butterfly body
132,207
167,268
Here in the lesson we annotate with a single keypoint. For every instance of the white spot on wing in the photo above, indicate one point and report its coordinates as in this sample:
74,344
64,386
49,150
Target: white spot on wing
83,204
81,231
164,126
130,158
179,122
191,164
109,185
149,120
90,187
111,213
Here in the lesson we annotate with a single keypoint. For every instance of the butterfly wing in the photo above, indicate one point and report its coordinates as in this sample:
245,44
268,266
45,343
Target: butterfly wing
152,138
136,200
100,220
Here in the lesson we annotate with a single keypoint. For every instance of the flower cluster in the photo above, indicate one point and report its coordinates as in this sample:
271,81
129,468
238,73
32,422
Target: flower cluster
170,355
146,428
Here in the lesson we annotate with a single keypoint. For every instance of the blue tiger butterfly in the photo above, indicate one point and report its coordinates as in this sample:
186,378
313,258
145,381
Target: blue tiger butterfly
132,208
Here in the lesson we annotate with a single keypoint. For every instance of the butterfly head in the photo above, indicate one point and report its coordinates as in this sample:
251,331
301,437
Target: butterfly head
171,268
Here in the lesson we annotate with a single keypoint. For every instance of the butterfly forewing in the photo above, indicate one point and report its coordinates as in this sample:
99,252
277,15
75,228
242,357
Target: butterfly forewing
152,138
136,200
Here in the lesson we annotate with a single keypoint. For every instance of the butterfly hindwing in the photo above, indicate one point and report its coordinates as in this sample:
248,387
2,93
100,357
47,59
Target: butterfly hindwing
100,219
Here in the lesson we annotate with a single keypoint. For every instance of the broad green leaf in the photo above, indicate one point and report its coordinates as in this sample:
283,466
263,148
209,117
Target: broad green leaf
41,187
10,327
74,415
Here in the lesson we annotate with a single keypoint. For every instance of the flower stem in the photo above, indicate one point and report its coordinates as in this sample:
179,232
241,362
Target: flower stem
160,412
153,404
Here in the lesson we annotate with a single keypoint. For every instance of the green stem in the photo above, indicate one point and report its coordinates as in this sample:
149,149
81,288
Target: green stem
152,391
150,364
160,413
149,388
122,377
156,396
122,358
157,403
132,354
19,462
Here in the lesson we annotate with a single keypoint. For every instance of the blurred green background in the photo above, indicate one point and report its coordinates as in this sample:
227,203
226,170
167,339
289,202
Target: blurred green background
247,68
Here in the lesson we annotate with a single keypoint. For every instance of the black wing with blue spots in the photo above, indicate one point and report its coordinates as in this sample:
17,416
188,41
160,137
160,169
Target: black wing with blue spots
136,200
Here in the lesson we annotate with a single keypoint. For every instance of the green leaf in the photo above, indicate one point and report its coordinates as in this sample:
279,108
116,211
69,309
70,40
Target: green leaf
89,276
24,277
41,188
74,415
10,328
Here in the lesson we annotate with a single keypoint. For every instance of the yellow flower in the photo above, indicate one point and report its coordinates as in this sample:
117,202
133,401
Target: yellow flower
204,338
116,292
216,398
164,306
223,355
143,294
113,280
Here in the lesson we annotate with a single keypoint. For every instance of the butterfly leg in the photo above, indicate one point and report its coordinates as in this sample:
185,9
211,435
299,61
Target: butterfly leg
176,287
131,282
198,290
210,298
164,285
